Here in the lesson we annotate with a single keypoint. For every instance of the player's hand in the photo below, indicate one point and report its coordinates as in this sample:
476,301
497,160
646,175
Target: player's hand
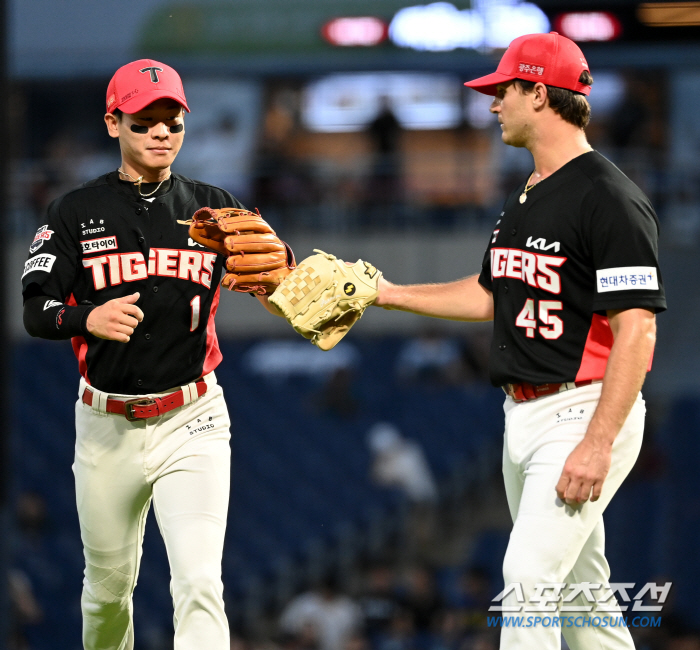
265,302
584,473
116,319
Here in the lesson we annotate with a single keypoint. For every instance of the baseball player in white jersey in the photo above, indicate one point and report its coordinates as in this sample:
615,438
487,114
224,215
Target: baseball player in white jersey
572,283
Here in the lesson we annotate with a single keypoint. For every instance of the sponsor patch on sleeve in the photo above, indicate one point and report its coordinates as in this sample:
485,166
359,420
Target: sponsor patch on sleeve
42,235
624,278
39,263
99,245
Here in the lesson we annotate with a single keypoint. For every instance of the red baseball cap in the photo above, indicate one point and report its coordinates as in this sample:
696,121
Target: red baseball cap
139,83
550,58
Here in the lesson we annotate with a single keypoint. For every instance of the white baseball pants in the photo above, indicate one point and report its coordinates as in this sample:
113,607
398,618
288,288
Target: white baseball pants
181,462
550,541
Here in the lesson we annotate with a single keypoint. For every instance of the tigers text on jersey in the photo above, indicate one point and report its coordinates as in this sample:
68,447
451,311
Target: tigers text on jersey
101,242
584,241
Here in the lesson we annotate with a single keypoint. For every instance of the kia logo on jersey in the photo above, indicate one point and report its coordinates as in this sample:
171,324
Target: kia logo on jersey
541,244
41,236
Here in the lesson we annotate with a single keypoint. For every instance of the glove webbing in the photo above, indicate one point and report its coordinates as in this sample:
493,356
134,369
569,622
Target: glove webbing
304,282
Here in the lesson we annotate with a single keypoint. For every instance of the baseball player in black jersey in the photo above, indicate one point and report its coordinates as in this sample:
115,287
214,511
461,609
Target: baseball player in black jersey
114,271
572,283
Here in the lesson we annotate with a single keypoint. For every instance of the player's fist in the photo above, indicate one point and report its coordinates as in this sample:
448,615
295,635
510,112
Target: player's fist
116,319
584,473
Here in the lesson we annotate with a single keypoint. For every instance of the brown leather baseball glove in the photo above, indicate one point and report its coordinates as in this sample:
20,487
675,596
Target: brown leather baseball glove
256,259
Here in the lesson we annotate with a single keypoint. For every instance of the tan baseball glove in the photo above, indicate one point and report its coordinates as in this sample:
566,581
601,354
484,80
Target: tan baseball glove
257,260
324,297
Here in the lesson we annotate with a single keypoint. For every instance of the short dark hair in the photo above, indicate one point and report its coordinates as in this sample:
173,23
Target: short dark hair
118,114
573,107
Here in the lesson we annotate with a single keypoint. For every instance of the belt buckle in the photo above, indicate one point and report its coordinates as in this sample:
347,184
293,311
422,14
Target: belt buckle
129,407
510,391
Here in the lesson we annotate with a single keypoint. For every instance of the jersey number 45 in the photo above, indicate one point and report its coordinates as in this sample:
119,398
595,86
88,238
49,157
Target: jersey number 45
553,326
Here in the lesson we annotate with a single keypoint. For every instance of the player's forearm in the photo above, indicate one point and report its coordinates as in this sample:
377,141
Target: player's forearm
51,319
463,300
635,335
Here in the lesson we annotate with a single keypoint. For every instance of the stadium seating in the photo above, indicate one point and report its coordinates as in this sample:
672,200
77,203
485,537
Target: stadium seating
300,469
301,475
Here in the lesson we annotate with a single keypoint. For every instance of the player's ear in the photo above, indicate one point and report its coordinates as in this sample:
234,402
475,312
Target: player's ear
539,96
112,125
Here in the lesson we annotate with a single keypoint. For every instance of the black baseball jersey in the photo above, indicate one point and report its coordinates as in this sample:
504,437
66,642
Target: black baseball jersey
103,241
584,241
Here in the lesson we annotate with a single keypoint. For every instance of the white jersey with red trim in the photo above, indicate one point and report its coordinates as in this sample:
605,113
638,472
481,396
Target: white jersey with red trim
584,241
104,241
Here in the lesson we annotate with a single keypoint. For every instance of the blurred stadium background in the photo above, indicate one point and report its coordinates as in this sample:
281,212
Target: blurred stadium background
346,123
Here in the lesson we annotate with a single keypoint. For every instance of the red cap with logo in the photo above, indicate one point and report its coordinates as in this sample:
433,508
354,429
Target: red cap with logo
550,58
139,83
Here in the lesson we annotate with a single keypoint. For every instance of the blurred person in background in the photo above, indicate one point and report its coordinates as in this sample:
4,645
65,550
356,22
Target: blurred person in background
685,642
337,396
421,597
431,358
473,594
450,631
401,634
384,132
32,517
475,357
332,615
305,637
239,642
468,602
357,641
25,610
220,158
378,601
401,463
281,180
484,641
31,527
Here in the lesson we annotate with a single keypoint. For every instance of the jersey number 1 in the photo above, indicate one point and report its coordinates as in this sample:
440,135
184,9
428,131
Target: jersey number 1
553,326
194,303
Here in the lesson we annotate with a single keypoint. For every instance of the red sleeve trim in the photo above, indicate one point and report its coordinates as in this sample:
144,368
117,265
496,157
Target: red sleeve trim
80,349
80,346
597,350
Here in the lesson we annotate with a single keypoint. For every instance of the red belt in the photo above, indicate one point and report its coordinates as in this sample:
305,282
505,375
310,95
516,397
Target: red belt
143,408
525,392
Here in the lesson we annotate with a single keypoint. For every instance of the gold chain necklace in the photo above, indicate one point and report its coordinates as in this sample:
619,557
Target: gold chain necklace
139,180
528,187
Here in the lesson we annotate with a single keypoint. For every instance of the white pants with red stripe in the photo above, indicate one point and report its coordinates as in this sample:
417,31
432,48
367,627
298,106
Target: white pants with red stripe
550,541
179,461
